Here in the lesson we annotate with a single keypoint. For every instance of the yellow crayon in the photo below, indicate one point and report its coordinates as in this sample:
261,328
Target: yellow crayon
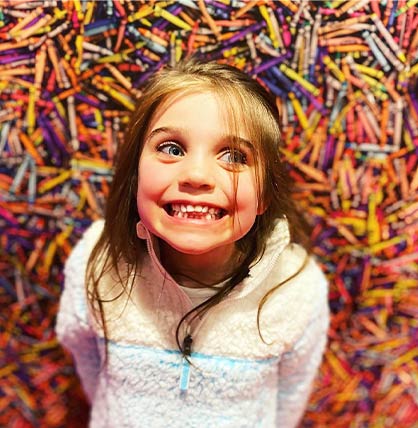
378,74
119,57
373,227
79,48
391,343
58,105
265,14
303,120
378,247
130,105
59,14
298,78
142,13
337,367
48,256
78,9
48,185
333,67
89,12
408,5
159,12
336,127
410,355
358,224
178,49
314,120
30,112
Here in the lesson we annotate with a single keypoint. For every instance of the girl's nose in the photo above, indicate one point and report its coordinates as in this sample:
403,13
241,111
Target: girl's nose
197,175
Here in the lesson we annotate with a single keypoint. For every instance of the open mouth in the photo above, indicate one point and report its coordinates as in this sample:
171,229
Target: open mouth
200,212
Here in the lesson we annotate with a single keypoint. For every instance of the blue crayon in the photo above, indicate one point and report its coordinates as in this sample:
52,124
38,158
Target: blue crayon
241,34
100,26
274,89
269,64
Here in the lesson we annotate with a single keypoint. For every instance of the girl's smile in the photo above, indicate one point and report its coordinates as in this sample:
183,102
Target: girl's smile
194,211
195,193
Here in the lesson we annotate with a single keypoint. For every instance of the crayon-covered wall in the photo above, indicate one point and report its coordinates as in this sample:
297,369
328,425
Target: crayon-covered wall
345,77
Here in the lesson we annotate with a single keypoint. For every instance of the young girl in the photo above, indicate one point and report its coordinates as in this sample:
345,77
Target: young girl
191,304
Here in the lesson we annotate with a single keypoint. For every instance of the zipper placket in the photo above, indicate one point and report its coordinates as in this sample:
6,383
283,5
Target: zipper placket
185,369
188,340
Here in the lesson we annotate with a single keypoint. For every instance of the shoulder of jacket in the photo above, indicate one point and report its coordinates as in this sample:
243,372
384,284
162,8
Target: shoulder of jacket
306,276
81,251
93,232
301,298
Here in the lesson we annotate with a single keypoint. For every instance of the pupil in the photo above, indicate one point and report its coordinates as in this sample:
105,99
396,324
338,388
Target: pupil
175,151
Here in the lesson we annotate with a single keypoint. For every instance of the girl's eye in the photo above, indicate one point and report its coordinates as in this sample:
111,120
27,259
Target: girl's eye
171,148
234,156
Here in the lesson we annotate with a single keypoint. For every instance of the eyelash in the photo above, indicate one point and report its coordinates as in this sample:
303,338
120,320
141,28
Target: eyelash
170,144
238,156
242,157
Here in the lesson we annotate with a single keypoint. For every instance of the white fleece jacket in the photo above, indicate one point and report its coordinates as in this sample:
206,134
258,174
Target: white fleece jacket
235,380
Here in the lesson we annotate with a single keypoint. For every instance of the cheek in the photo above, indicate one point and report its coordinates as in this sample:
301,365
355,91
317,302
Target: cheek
152,182
247,200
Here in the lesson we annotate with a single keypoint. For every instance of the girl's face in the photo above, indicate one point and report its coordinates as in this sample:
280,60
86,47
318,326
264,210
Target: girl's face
186,194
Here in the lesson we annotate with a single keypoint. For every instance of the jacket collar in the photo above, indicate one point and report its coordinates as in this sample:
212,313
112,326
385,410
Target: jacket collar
276,243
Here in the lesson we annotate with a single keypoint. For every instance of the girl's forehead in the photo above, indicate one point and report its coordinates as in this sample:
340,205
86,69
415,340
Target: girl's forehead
188,102
229,105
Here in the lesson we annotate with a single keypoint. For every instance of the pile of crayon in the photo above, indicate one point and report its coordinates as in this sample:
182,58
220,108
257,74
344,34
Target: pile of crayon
345,77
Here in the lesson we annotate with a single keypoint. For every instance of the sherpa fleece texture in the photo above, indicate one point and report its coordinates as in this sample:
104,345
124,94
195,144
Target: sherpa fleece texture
235,380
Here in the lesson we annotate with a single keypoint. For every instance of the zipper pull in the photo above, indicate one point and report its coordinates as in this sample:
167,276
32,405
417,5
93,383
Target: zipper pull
187,345
185,365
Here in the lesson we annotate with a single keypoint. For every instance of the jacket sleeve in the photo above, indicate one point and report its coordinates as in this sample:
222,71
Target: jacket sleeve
72,327
298,368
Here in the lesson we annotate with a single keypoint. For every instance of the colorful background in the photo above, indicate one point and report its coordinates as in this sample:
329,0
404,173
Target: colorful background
345,77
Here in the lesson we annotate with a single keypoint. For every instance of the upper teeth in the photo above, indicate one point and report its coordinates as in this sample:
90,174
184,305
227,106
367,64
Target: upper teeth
195,208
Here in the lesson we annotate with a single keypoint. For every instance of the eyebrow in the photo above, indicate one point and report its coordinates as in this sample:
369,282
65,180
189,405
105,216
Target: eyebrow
175,130
162,130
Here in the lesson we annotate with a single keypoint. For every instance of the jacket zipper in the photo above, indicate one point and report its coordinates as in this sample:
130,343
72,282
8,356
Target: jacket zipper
185,365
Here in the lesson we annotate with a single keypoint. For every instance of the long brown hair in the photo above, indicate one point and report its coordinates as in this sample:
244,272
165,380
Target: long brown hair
248,105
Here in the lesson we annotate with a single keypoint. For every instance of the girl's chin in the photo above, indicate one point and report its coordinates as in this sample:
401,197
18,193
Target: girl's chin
191,250
191,246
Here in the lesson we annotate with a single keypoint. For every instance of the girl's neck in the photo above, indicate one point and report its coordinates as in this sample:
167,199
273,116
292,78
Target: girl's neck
202,270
